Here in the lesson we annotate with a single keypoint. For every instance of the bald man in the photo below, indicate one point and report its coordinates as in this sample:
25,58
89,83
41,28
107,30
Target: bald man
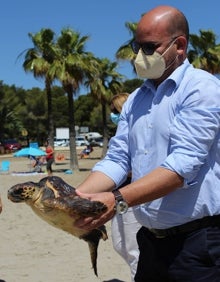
168,136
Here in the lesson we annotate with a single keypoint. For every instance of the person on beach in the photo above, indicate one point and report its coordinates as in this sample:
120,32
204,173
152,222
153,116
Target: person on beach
169,137
49,157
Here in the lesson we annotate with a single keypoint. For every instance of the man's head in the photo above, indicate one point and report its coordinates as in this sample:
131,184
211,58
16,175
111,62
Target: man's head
163,30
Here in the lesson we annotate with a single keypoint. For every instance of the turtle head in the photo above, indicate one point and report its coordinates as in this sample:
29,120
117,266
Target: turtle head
23,192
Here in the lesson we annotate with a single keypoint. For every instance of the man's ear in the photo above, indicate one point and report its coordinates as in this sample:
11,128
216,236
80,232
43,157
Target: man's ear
181,43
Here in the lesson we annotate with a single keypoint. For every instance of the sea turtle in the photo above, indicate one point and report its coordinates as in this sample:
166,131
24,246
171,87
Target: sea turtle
56,202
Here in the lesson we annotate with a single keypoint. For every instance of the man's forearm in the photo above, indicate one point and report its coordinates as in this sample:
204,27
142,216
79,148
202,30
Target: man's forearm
96,182
156,184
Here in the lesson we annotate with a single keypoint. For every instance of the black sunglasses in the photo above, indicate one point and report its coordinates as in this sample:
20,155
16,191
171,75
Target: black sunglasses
147,47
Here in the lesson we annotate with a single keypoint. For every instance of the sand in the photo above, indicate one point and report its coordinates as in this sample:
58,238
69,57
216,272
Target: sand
33,251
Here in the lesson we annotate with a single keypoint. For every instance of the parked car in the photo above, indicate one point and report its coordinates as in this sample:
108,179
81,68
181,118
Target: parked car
97,142
11,145
93,135
81,141
61,142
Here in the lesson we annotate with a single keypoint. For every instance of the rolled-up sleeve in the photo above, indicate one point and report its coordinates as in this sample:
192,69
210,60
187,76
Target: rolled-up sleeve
112,170
194,130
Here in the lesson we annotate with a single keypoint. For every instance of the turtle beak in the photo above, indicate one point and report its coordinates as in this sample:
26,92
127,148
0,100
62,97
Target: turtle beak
21,192
15,195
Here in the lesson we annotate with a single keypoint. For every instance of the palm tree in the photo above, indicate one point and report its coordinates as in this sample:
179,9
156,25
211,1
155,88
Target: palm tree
11,125
70,68
125,52
203,52
38,60
35,110
104,83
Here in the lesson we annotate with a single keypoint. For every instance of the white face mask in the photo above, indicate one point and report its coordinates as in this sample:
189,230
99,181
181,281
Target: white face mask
150,66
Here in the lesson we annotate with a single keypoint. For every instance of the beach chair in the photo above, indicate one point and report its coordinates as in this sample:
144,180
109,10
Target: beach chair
5,167
36,163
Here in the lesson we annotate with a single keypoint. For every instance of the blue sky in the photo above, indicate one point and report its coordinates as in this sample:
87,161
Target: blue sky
104,21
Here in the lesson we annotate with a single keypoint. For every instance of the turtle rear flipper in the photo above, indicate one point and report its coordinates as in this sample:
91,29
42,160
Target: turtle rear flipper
93,239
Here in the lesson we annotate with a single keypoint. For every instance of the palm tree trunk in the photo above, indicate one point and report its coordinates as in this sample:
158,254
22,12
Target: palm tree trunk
50,113
73,154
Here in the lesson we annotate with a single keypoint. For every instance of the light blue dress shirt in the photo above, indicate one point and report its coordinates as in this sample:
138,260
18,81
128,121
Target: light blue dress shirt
175,126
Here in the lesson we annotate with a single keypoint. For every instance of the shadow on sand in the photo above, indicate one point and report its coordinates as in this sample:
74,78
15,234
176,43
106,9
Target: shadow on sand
112,280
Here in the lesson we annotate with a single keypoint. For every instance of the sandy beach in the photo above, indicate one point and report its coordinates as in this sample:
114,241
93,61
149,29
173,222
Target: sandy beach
33,251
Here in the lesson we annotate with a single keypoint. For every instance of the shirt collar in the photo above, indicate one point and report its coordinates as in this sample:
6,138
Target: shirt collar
176,76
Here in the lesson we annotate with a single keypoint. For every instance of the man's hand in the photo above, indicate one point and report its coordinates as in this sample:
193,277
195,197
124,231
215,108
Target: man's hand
90,223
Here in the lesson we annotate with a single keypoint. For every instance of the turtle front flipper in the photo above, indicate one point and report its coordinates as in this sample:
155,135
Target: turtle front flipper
93,239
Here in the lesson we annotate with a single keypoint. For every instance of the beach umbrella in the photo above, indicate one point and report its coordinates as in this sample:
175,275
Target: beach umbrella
29,151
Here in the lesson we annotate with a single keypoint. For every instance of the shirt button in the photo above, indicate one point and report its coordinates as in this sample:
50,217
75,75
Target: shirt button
145,152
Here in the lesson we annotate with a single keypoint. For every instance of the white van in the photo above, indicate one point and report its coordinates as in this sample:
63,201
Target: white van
93,135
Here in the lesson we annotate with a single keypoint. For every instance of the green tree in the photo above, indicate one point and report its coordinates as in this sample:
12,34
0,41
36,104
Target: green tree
10,104
34,109
38,60
203,51
60,107
104,83
70,68
84,106
125,52
131,84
